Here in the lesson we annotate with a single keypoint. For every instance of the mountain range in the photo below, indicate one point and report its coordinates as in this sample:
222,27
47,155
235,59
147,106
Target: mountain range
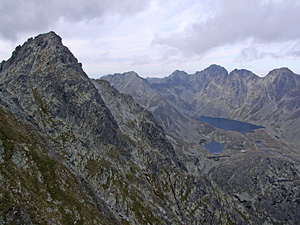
271,101
128,150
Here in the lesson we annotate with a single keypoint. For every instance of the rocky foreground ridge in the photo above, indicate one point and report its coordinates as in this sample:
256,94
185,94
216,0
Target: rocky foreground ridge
76,150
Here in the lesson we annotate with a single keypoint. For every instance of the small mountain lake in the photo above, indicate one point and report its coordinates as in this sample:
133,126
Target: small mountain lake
231,125
214,147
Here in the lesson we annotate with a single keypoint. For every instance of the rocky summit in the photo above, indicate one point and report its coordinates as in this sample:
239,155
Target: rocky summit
79,151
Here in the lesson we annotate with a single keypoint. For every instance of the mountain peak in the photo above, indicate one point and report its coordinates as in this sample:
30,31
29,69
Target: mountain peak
213,70
278,71
131,74
243,73
178,73
50,36
42,40
216,68
44,52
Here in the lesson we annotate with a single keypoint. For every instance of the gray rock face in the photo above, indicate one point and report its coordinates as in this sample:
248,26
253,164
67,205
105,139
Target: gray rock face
272,187
75,150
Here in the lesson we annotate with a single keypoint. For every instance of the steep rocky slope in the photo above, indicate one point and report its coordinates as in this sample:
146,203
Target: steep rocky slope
73,150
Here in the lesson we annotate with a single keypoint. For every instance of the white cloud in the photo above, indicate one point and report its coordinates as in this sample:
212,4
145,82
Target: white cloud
140,60
18,16
236,21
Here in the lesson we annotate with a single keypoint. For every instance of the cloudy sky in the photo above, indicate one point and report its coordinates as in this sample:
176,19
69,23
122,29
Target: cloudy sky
156,37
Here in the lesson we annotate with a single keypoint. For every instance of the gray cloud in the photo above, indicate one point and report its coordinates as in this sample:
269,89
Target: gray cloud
295,49
248,54
19,16
236,21
253,53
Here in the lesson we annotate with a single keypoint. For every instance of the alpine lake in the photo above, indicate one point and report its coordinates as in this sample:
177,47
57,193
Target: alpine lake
226,124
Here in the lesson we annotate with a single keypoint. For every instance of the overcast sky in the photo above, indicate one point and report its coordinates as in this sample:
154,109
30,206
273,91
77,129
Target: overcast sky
156,37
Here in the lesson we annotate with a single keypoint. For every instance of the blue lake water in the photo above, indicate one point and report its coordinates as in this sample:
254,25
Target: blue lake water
214,147
232,125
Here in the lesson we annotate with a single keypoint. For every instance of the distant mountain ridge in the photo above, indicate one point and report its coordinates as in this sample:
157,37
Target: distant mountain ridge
272,101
